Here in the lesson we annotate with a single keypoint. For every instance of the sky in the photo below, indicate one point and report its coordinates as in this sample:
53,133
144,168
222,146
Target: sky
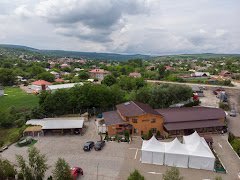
154,27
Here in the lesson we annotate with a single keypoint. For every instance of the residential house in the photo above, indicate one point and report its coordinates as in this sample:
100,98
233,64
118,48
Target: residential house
139,118
56,74
169,68
98,74
64,65
200,74
135,75
39,85
136,117
225,74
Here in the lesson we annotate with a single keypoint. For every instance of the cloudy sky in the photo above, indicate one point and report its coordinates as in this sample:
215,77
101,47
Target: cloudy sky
123,26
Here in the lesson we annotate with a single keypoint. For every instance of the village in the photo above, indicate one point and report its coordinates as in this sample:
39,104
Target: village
133,134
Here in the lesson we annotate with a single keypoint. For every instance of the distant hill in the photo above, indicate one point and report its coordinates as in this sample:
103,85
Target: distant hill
16,49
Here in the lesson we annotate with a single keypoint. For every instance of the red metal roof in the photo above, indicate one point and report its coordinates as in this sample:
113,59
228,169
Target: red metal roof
41,82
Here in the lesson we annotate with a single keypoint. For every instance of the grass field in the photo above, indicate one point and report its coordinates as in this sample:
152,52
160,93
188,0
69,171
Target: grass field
17,98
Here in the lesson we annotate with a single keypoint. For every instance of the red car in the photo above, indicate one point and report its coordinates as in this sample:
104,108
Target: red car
76,172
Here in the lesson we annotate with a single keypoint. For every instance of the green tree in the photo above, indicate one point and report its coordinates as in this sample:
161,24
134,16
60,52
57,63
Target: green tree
172,174
135,175
7,77
62,170
161,71
7,170
83,75
34,70
109,80
35,167
46,76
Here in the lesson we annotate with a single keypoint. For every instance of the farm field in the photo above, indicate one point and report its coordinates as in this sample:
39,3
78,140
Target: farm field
17,98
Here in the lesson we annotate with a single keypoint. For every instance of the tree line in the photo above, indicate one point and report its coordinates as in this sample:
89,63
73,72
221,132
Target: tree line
101,97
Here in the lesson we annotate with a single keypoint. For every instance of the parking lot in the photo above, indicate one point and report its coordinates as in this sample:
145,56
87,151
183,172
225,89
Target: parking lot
105,163
117,160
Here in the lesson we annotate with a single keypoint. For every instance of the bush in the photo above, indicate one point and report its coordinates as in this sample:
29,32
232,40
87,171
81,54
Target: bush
20,122
145,137
135,175
150,134
224,106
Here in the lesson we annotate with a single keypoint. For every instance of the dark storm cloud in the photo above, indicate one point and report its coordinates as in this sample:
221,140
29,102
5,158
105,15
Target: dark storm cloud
100,17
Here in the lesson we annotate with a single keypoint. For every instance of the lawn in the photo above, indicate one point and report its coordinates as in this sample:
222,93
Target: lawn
10,135
17,98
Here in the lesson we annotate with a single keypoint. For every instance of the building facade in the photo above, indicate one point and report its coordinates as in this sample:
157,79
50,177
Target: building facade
98,74
139,119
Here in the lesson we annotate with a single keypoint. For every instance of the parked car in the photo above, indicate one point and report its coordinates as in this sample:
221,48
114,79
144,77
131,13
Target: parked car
76,172
3,148
24,141
88,146
233,113
99,145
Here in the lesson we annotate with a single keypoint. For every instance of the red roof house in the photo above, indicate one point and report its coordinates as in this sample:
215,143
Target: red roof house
41,82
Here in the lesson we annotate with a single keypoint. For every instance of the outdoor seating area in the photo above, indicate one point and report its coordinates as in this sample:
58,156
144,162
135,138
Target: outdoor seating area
194,152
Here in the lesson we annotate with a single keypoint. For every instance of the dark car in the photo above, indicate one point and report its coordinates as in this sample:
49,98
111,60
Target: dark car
76,172
88,146
99,145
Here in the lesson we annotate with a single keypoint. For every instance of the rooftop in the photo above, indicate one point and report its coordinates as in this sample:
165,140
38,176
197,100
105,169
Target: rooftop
134,108
41,82
112,117
191,114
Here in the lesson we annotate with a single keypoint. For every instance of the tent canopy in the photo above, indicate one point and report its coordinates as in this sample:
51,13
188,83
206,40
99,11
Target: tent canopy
175,147
153,145
192,138
193,153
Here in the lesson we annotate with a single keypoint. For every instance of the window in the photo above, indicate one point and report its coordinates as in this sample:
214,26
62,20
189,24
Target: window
145,120
153,120
134,120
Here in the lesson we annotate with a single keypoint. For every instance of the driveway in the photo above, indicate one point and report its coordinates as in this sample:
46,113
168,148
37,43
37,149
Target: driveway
227,156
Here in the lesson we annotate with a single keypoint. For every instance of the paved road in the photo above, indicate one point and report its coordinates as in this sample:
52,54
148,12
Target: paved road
227,156
192,84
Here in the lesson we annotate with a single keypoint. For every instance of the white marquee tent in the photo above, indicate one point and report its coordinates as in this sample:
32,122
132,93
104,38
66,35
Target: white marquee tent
200,155
193,153
153,151
176,154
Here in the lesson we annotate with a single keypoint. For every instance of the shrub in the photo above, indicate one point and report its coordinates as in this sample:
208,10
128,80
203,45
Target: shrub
224,106
135,175
150,134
